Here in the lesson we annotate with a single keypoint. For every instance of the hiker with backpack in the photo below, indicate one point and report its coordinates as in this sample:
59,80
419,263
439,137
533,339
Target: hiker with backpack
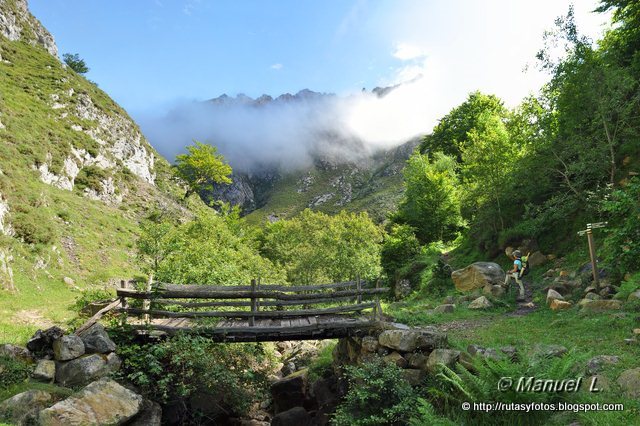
519,269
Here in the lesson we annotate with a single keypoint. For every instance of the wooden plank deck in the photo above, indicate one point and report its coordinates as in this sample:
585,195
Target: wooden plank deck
265,329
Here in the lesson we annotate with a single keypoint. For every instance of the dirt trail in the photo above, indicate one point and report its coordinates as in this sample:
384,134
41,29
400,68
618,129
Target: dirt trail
464,328
527,306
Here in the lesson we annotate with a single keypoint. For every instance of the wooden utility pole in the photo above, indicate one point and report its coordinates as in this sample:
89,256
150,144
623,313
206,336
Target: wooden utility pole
592,247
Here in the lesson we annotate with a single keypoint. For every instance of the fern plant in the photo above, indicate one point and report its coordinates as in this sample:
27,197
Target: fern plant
452,387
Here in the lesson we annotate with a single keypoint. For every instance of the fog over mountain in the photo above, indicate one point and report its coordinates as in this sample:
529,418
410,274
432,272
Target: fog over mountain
289,131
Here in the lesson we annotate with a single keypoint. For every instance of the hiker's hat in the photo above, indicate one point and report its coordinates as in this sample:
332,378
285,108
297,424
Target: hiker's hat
517,253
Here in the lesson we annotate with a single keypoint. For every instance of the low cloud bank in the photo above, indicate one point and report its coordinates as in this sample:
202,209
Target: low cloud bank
290,131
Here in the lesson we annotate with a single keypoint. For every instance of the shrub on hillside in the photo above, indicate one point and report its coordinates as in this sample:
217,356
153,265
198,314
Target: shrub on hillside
33,226
378,395
399,248
232,376
622,245
91,177
13,371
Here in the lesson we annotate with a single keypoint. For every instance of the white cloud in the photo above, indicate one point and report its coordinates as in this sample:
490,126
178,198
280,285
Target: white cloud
406,52
190,6
478,45
277,66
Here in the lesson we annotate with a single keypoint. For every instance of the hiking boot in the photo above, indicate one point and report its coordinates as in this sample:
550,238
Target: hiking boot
520,298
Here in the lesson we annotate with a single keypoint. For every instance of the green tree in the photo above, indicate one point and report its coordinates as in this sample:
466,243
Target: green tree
488,160
201,168
431,202
314,247
211,249
75,63
157,241
450,136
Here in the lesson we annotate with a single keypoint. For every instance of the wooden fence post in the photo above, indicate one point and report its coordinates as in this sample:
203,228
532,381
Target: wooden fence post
359,288
252,319
146,303
258,301
123,302
377,310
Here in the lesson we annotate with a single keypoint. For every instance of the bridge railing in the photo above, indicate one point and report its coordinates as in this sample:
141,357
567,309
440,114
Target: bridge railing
251,302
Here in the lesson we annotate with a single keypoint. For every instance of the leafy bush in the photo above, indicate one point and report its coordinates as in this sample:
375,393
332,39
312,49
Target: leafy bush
178,368
628,286
76,63
440,281
378,395
13,371
322,365
399,248
90,296
91,177
207,250
622,244
313,246
33,226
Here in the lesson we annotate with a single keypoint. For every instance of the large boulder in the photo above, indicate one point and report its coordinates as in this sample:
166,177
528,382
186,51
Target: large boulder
413,376
81,371
597,363
480,303
369,344
537,259
541,351
104,402
327,397
559,305
601,305
553,295
42,341
438,357
16,352
45,371
68,347
296,416
395,358
417,360
411,340
346,351
629,382
23,407
634,296
478,275
289,392
445,309
96,340
150,415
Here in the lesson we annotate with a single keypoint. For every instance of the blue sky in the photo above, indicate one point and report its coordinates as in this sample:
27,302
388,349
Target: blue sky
146,53
156,57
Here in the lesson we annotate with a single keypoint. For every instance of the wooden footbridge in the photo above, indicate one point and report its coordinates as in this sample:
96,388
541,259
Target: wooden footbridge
254,313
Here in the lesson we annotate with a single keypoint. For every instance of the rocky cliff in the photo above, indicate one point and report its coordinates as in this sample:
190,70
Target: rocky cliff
372,184
76,175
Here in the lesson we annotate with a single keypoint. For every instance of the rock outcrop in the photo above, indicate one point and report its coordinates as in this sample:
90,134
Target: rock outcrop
17,23
103,402
477,276
23,408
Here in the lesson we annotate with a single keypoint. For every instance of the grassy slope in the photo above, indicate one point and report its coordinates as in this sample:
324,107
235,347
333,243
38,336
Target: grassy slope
87,240
587,335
